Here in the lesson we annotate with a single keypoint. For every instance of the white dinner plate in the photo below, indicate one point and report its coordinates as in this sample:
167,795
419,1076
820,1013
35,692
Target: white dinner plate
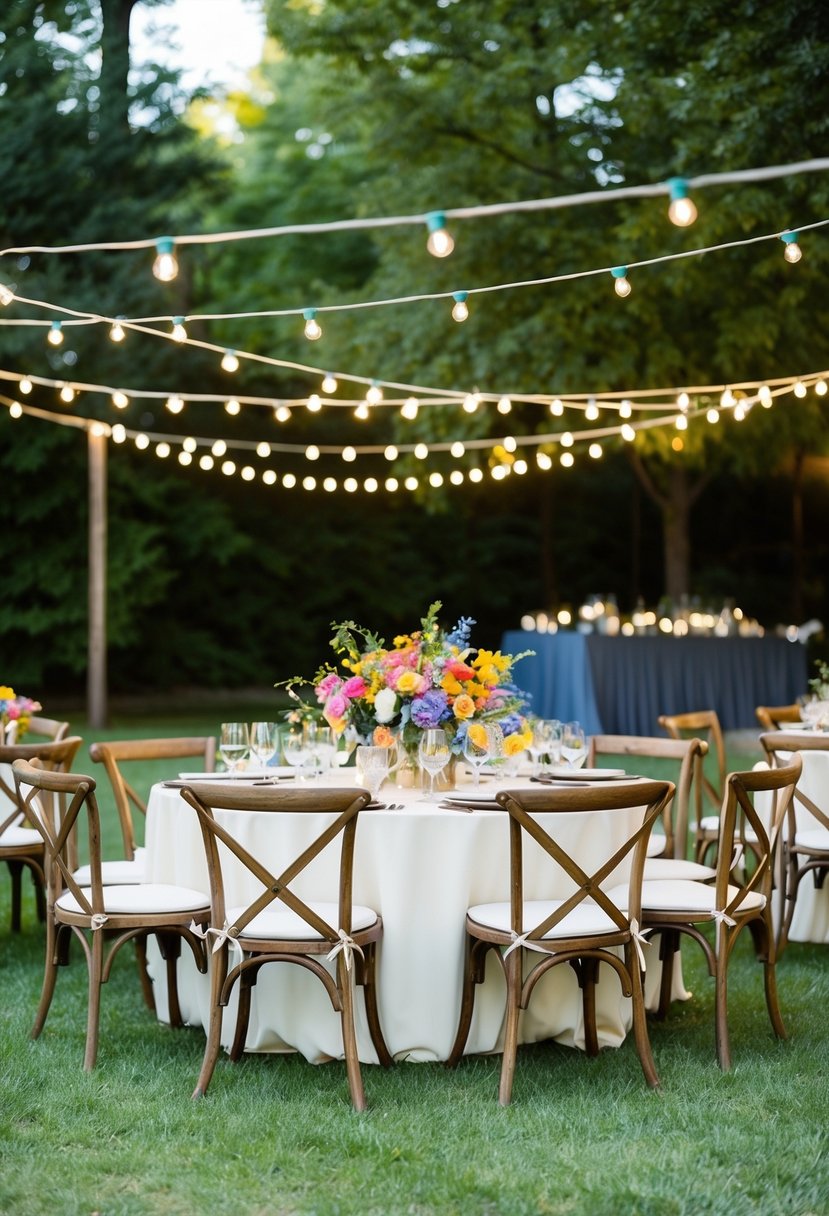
461,803
243,774
589,774
470,795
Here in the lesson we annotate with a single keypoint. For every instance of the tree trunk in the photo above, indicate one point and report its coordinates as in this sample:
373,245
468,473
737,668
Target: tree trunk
115,66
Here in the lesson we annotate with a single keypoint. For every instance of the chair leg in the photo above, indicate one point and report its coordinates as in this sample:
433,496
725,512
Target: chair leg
95,964
169,945
50,975
587,970
16,872
352,1060
143,973
372,1013
668,952
247,980
764,944
514,969
218,974
473,973
721,1005
640,1021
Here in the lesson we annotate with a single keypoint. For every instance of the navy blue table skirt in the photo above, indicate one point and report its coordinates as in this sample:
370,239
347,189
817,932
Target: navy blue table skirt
621,685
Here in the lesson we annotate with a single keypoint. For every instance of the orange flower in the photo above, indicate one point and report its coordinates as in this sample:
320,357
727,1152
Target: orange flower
464,707
382,737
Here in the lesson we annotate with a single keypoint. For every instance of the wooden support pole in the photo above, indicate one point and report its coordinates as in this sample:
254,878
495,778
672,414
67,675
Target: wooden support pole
96,686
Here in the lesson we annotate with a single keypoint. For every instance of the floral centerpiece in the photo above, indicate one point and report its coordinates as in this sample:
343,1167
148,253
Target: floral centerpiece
820,684
15,709
425,679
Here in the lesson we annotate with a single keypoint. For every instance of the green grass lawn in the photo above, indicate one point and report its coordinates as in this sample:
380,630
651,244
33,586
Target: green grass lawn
277,1135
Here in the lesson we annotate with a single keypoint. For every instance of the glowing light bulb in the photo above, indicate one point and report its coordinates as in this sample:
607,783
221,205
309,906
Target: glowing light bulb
16,409
727,399
119,433
457,449
681,210
189,444
591,411
269,477
314,404
460,311
504,405
800,389
165,266
456,477
499,472
510,444
289,481
409,409
120,400
470,403
567,460
25,385
595,450
350,485
117,332
439,243
174,404
67,393
392,484
330,484
620,281
566,440
765,397
248,473
390,452
312,452
556,407
683,401
374,394
371,485
361,411
309,483
6,295
625,409
436,479
520,467
228,468
791,250
543,461
232,407
142,441
421,451
179,333
713,416
313,329
820,388
282,413
627,432
681,422
206,462
329,383
55,334
349,454
263,449
230,361
476,474
162,450
219,447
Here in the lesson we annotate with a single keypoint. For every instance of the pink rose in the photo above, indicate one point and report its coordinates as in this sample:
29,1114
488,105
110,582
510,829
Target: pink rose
13,713
327,685
355,687
336,706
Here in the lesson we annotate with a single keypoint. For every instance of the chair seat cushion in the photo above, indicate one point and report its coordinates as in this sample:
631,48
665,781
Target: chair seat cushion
278,923
688,896
658,868
138,899
586,918
814,839
114,873
656,844
711,825
16,837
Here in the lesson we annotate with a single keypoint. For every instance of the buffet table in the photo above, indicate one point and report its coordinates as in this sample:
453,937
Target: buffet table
420,867
619,685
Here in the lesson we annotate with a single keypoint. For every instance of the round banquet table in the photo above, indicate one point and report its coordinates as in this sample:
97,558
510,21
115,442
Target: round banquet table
420,867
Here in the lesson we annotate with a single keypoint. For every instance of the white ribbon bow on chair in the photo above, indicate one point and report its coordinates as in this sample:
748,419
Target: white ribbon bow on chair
221,936
348,946
520,939
640,941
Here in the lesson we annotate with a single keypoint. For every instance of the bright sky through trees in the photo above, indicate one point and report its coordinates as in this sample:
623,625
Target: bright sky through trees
213,41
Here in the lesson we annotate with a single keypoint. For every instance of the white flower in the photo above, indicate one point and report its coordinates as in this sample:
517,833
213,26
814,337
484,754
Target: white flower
385,705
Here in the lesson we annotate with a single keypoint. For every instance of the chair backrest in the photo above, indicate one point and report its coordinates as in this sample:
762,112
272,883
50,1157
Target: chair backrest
655,747
72,795
755,832
779,746
57,757
339,809
702,724
620,853
49,728
115,752
771,717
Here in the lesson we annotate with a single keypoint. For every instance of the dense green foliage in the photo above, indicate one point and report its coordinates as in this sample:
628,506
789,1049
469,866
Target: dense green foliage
402,108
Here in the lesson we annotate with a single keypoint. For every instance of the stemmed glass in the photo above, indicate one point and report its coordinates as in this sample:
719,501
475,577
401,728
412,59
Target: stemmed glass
433,754
484,742
373,763
234,744
321,748
295,749
573,744
546,741
263,737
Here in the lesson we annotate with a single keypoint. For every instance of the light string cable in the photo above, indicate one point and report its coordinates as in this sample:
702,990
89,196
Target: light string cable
651,190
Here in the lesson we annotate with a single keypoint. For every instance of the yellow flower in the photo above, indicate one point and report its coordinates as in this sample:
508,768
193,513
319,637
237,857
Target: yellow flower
494,658
475,689
464,708
488,674
477,733
6,693
514,745
408,682
451,685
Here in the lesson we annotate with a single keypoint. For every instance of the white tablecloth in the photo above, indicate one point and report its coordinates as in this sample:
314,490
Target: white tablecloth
420,868
811,914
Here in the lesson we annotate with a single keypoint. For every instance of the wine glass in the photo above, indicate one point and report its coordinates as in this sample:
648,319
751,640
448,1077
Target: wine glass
554,729
295,750
263,738
433,754
483,743
321,748
234,744
373,763
573,745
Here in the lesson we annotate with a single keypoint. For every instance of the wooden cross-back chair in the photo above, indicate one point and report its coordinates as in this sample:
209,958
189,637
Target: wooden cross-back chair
703,724
115,752
583,929
668,850
277,925
777,717
21,844
88,913
739,898
805,845
49,728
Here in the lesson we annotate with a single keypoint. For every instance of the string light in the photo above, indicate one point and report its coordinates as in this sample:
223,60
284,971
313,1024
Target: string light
230,361
179,333
439,242
476,474
350,485
470,403
232,407
713,416
392,484
800,389
627,432
591,412
820,388
566,439
595,450
681,422
174,404
289,481
436,479
556,407
457,449
189,444
409,409
727,399
456,477
411,483
329,384
119,433
683,402
390,452
625,409
142,441
543,461
309,483
460,311
219,447
162,450
312,452
117,332
228,468
55,335
567,459
67,393
330,484
314,405
263,449
681,210
25,385
504,405
269,477
206,462
791,250
375,394
765,397
421,451
6,295
120,400
313,329
349,454
621,283
282,413
16,409
361,411
165,266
